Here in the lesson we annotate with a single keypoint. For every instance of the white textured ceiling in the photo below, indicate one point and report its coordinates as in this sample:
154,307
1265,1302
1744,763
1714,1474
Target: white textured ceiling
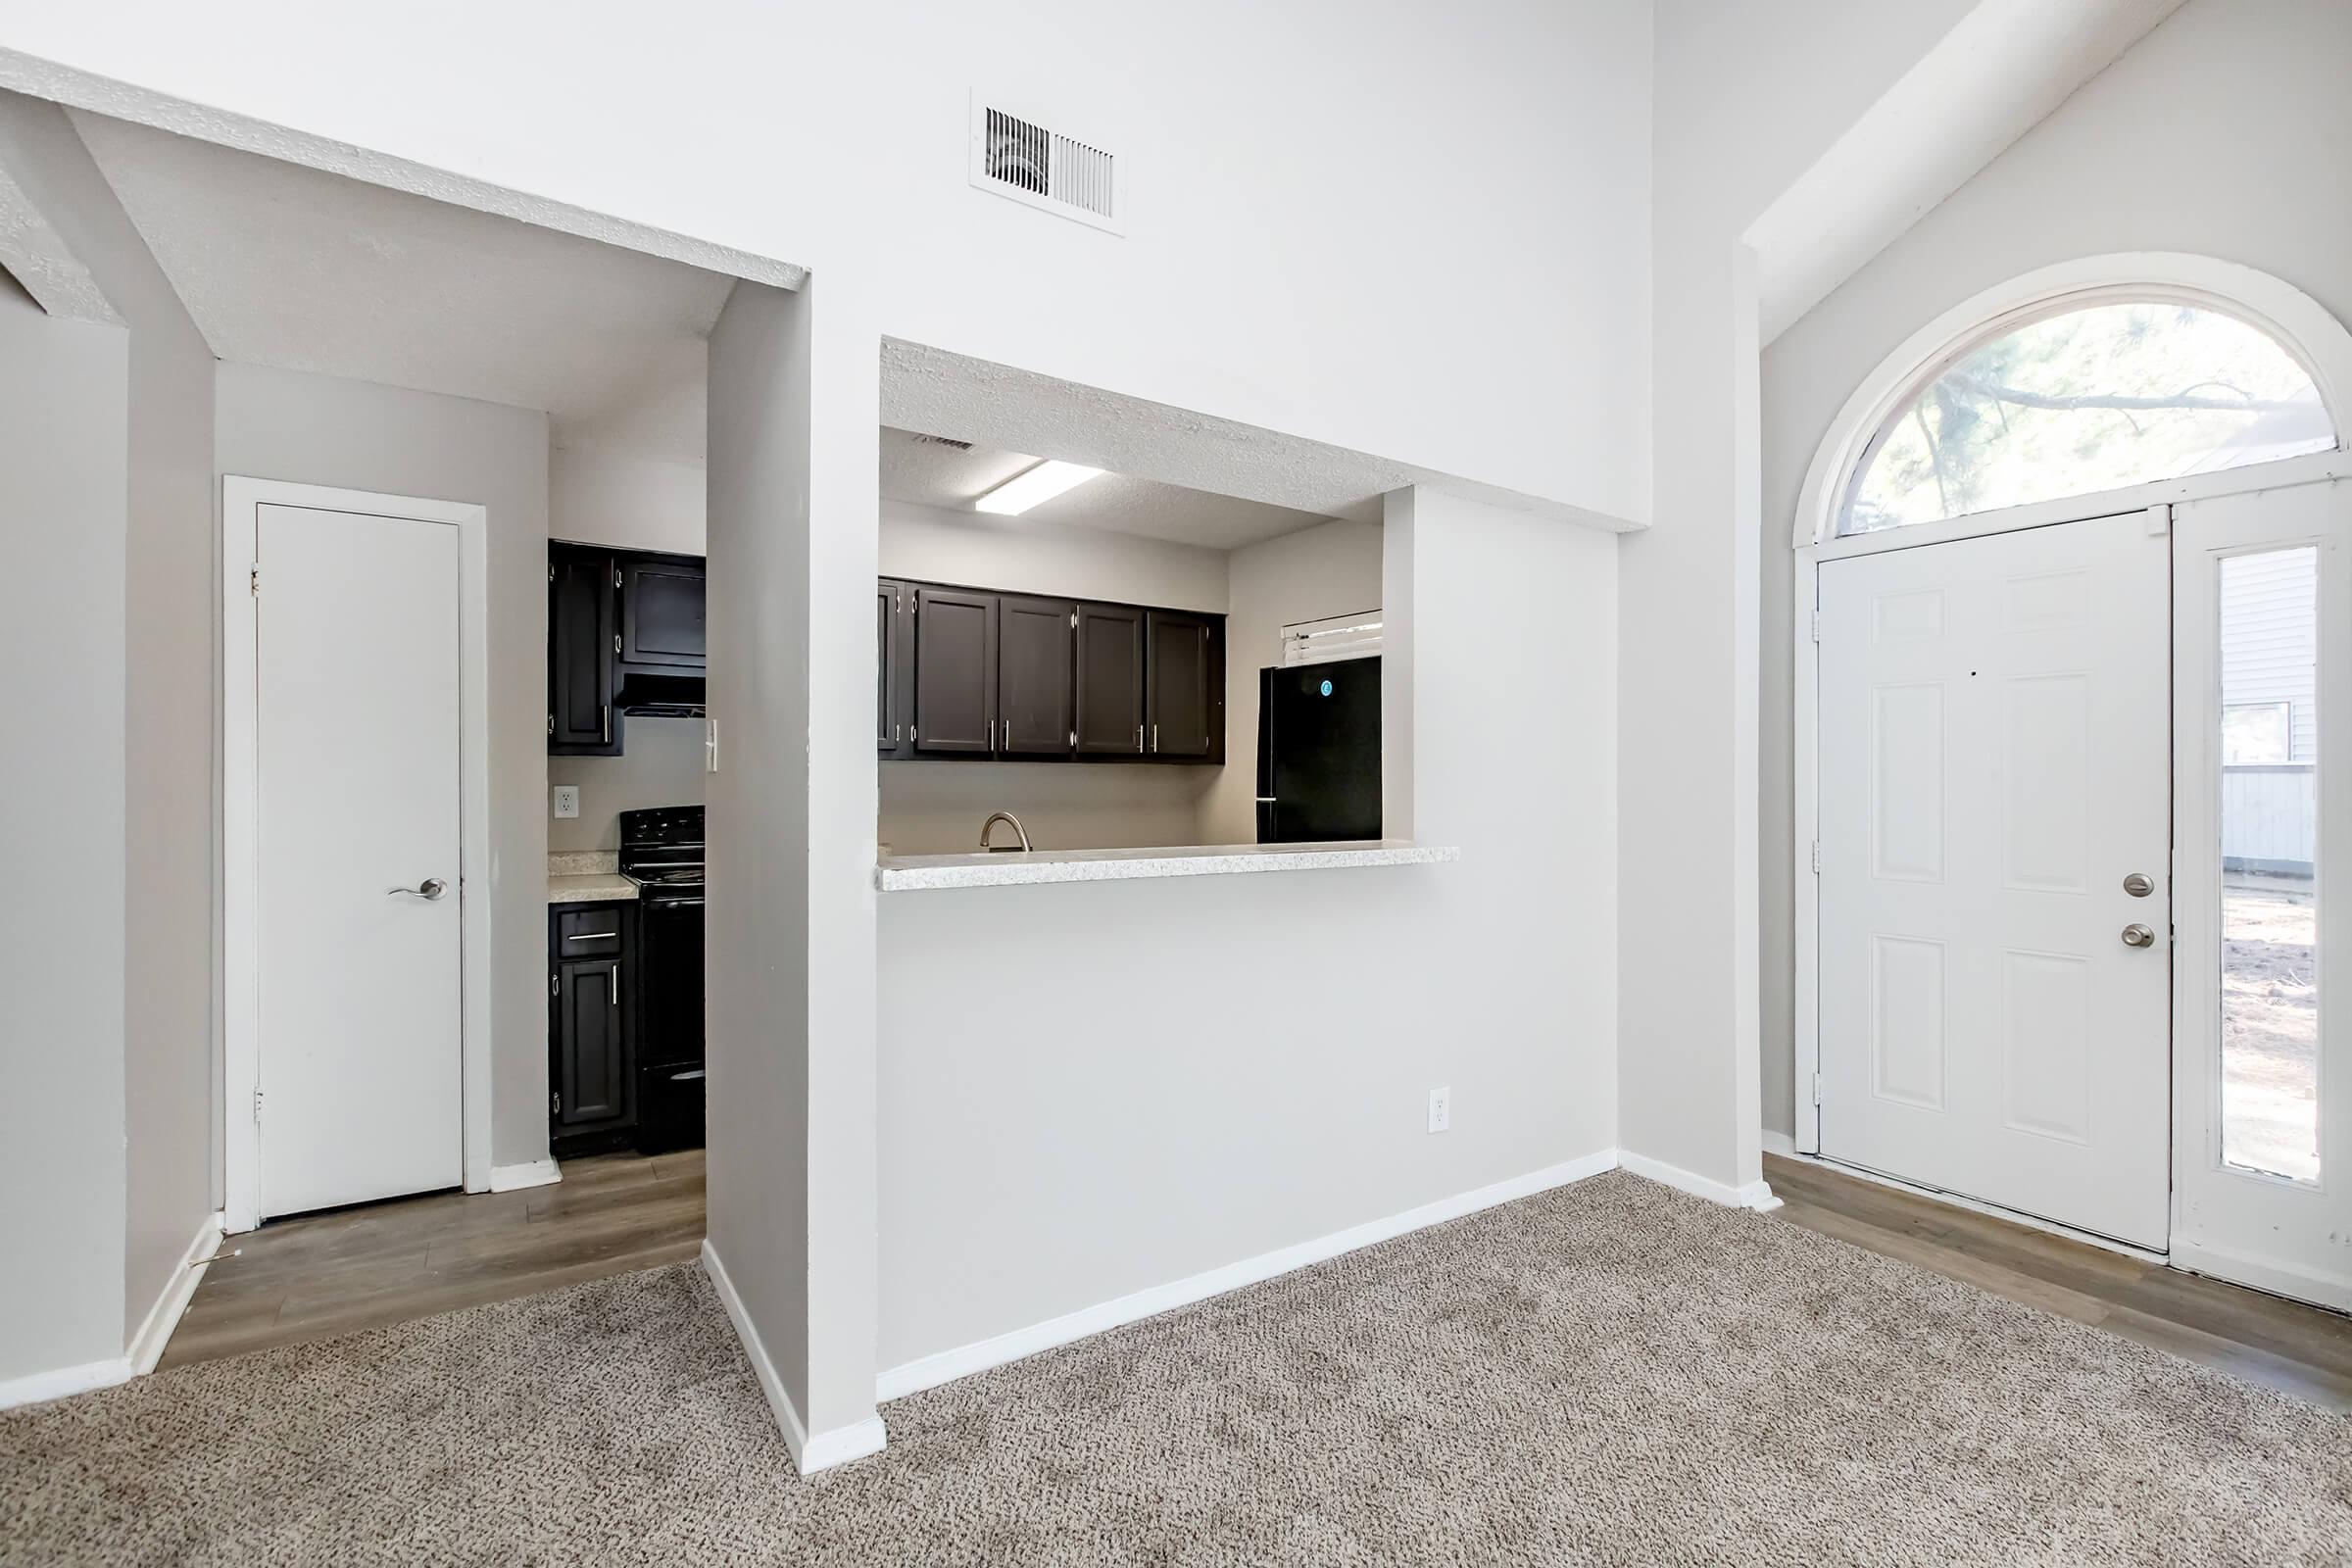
301,270
935,473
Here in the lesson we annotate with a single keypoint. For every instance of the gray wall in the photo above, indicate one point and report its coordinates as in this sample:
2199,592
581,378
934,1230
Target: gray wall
63,409
1331,570
315,429
1210,1069
145,1007
757,963
660,764
2251,176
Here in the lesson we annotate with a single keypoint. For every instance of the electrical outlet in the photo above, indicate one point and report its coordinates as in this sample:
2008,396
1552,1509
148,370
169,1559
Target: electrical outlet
566,798
1441,1109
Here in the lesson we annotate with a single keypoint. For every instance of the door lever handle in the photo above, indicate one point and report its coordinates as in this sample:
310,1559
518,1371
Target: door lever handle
431,887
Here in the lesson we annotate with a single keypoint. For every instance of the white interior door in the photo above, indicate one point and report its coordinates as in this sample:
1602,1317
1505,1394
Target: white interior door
2263,1158
1994,764
357,796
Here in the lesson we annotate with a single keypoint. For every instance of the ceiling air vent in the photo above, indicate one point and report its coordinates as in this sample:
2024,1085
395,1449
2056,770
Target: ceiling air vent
1015,156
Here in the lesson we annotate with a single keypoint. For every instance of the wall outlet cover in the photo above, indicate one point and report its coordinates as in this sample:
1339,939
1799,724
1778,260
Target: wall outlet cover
1441,1109
567,798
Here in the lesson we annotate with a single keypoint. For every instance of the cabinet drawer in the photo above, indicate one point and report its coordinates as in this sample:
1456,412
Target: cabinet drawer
588,932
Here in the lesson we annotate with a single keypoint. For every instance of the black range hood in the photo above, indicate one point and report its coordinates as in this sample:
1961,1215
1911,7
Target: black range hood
660,694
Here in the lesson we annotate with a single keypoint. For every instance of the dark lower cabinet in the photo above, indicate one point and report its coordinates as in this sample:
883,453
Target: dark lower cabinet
1034,677
954,673
581,610
1111,680
662,600
1181,700
592,1066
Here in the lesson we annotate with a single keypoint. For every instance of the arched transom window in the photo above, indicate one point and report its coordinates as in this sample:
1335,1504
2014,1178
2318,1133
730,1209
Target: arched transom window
2080,398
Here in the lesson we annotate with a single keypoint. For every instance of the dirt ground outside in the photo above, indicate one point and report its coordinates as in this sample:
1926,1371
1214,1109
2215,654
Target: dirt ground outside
2269,1025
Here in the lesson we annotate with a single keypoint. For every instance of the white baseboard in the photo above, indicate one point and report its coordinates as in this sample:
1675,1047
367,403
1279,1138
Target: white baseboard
530,1173
945,1366
38,1387
147,1345
1757,1195
1778,1142
838,1445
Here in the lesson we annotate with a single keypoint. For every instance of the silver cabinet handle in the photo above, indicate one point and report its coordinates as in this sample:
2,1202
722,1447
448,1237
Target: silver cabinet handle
616,985
431,887
1155,737
594,936
607,724
1139,738
2136,935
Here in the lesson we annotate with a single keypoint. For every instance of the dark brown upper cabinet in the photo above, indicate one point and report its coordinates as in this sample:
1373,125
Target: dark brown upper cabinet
1182,701
581,611
662,608
954,673
1036,701
1111,680
982,674
894,668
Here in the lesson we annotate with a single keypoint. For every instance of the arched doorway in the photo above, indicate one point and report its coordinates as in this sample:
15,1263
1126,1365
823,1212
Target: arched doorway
2072,583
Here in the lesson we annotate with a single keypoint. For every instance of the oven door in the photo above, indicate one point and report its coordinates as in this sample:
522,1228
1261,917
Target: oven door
669,992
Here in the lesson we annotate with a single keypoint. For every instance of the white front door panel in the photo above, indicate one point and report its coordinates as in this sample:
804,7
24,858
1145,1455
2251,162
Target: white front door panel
356,768
1994,764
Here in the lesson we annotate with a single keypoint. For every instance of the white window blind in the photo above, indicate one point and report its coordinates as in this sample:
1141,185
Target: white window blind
1319,642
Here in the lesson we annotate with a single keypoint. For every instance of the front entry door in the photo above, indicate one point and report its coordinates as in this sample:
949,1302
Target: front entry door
1994,785
356,814
2263,1158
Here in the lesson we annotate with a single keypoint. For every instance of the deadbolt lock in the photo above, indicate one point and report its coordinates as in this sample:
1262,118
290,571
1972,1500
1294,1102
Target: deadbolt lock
2138,885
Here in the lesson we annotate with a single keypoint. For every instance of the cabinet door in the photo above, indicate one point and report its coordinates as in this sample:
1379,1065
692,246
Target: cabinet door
580,636
662,607
1035,694
1111,680
894,668
1178,678
591,1065
954,673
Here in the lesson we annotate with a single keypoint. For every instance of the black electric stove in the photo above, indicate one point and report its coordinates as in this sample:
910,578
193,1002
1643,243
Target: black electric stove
661,851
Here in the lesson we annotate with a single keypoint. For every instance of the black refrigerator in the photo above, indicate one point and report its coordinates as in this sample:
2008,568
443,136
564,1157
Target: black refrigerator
1318,751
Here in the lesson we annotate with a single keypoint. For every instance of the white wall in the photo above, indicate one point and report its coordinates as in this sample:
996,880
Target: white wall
630,502
117,784
1746,99
317,429
1210,1069
1503,338
2218,134
1329,570
625,500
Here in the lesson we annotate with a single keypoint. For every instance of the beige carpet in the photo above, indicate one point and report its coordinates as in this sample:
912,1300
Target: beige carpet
1612,1373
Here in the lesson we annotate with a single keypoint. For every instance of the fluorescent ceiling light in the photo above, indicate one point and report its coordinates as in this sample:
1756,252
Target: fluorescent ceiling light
1035,487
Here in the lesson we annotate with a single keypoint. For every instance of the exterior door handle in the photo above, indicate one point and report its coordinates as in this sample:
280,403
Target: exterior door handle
431,887
2136,935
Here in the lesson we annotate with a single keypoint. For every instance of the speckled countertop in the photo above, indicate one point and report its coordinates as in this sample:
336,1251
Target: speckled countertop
586,876
907,873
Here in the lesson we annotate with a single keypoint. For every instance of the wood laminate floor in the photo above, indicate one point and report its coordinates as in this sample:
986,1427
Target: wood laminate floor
2263,1339
355,1269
